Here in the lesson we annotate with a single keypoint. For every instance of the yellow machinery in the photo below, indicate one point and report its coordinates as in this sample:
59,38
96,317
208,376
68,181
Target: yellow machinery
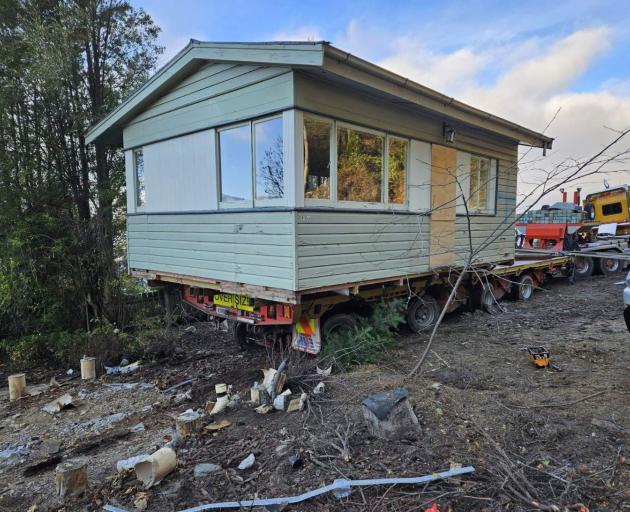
608,206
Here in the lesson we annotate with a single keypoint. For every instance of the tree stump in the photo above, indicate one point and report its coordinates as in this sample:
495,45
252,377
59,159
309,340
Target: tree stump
17,386
70,478
389,415
189,423
88,368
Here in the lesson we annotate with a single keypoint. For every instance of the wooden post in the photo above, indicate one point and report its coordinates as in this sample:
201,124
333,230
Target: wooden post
71,478
88,368
188,423
17,386
156,466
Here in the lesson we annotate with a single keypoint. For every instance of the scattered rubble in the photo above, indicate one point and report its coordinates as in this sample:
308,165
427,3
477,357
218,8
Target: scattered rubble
390,416
205,469
58,404
247,462
122,370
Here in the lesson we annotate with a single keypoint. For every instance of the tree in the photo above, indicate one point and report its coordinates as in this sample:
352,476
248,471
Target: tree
63,65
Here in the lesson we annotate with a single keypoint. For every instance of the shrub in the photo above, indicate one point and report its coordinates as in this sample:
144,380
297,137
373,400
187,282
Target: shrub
365,342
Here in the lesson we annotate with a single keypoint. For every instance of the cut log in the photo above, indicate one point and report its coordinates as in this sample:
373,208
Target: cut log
154,468
389,415
189,423
71,478
88,368
17,386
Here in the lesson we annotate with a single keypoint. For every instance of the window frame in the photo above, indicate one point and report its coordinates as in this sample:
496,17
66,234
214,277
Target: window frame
248,203
360,204
405,204
491,187
277,201
334,201
136,181
332,162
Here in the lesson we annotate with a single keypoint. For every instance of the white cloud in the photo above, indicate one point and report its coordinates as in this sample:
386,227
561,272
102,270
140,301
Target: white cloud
526,80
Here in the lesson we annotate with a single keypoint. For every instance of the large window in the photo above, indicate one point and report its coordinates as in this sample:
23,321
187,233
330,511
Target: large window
251,163
359,165
235,150
269,159
138,166
477,179
317,158
397,151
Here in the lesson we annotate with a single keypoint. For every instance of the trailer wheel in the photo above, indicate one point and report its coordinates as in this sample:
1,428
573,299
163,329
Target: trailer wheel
523,288
337,323
238,331
423,313
583,266
609,266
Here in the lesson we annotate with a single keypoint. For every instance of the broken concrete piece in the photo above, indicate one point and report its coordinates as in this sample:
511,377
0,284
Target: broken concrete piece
247,462
129,464
141,502
324,373
203,470
217,425
297,404
281,402
319,389
273,383
17,386
183,397
58,404
389,415
264,409
88,368
115,370
156,466
189,423
71,478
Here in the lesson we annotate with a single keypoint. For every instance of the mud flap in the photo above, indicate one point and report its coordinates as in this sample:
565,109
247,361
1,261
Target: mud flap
307,336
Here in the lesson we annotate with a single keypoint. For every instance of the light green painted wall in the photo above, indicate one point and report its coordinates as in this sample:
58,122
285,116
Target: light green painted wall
339,247
244,247
214,95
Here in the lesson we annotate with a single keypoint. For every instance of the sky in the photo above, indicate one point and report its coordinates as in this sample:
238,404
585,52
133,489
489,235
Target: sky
562,67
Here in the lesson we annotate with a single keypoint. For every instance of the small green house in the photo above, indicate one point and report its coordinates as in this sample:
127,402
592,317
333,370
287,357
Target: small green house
279,169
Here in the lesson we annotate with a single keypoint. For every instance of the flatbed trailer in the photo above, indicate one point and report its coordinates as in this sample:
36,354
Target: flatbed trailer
305,319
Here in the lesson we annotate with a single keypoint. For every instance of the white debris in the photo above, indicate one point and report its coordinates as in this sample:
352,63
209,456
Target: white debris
247,462
128,464
138,427
319,389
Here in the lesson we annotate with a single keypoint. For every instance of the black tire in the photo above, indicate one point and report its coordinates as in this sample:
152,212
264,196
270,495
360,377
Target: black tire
238,332
337,323
523,288
423,313
609,266
584,267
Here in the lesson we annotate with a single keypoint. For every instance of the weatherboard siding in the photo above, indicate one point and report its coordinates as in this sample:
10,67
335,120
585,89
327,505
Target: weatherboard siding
336,248
216,94
491,236
244,247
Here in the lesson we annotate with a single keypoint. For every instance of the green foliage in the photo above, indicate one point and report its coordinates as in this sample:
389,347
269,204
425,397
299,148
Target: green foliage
63,65
365,342
65,348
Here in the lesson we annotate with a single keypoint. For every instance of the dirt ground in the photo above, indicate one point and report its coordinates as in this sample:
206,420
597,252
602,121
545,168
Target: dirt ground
538,439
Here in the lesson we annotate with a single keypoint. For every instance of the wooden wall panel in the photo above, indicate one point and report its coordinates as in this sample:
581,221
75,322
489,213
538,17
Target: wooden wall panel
443,193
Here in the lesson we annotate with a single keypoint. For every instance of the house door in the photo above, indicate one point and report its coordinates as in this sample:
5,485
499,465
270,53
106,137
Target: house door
443,194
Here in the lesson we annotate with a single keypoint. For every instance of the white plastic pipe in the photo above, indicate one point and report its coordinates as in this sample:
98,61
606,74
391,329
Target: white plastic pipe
339,487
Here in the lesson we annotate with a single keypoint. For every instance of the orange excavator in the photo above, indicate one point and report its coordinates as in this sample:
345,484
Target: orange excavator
599,229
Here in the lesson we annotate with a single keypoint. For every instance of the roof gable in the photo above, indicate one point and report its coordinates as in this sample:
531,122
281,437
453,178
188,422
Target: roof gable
311,55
